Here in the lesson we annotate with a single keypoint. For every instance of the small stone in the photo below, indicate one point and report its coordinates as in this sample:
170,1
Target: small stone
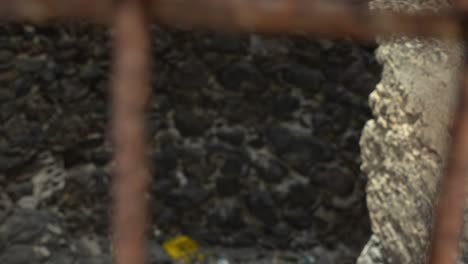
8,77
227,217
101,158
302,196
157,254
90,72
304,77
297,218
242,74
163,186
188,197
247,237
336,179
281,230
21,189
191,124
30,65
297,149
166,159
101,179
284,105
228,186
6,56
165,217
233,167
42,252
232,136
18,254
28,202
272,171
24,226
6,95
261,205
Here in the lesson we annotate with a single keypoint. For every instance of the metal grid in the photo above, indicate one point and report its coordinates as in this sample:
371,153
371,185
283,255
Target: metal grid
131,89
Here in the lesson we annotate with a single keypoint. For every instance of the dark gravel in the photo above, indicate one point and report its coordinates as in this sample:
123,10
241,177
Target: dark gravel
255,141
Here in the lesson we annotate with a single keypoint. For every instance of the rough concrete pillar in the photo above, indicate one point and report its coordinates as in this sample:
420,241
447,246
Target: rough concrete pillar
404,146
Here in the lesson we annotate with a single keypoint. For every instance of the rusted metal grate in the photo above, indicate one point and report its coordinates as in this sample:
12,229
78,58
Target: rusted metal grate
132,92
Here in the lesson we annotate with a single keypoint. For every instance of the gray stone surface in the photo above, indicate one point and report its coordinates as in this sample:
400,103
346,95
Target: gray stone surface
404,146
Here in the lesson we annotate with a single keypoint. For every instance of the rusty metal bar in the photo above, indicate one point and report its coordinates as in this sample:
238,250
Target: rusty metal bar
131,96
317,17
40,11
449,221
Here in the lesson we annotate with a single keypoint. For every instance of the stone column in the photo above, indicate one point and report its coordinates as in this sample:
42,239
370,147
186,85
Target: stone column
404,147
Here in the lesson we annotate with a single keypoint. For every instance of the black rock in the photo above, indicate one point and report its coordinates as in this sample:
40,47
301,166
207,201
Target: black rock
227,217
298,150
297,218
101,181
24,227
242,74
6,95
228,186
223,43
19,254
30,65
245,238
338,180
282,241
302,76
165,217
284,105
91,71
11,161
20,189
162,186
190,75
188,197
232,136
198,171
6,56
262,205
191,124
272,171
234,167
166,159
302,196
101,157
281,230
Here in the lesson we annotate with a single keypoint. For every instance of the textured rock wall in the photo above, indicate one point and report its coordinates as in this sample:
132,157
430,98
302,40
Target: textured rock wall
254,139
404,146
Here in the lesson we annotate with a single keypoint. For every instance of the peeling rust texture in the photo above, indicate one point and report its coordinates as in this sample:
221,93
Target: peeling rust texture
316,17
131,94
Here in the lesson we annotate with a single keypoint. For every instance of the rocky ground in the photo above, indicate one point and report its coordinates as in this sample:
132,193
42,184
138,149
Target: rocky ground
255,145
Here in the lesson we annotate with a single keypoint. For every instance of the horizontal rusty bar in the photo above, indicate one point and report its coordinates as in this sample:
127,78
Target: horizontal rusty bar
40,11
316,17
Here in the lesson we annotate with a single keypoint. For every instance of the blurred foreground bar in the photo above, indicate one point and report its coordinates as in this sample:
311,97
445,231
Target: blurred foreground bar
131,94
315,17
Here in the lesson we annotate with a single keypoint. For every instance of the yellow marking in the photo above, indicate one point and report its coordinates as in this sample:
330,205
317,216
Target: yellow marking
182,248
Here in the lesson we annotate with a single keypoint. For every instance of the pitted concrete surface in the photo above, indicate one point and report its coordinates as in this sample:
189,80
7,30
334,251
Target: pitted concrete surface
404,146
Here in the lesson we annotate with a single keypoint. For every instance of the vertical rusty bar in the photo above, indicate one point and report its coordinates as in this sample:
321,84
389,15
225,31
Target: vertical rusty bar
448,228
131,94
